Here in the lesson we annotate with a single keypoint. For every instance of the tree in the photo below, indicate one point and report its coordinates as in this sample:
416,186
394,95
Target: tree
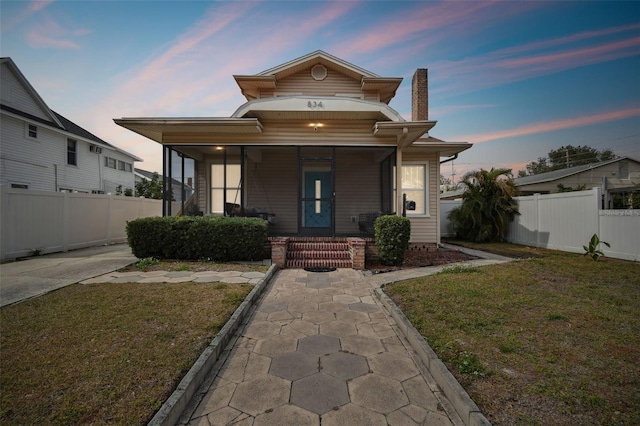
446,184
487,206
565,157
150,188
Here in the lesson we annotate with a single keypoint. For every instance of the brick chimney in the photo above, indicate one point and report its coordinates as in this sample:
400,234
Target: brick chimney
419,96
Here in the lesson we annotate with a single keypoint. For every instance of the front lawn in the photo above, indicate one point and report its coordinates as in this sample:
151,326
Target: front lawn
105,353
552,339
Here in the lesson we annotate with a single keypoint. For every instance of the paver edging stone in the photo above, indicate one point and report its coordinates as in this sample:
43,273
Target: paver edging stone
468,411
170,412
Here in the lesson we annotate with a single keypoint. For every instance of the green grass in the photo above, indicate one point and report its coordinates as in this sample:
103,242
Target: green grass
152,264
105,353
553,339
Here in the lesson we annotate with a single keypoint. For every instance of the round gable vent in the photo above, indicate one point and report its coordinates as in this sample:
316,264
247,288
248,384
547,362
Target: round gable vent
319,72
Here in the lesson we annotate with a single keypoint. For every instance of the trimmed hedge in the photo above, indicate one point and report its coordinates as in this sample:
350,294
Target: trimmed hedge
392,238
195,238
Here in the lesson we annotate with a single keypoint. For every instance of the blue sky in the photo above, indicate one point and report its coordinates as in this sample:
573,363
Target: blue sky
517,79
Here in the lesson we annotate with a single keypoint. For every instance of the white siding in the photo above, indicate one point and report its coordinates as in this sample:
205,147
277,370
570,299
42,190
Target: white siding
29,161
15,95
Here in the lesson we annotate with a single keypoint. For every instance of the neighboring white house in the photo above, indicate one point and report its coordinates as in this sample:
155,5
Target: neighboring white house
42,150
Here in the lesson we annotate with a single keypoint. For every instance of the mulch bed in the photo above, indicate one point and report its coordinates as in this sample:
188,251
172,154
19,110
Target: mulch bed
420,258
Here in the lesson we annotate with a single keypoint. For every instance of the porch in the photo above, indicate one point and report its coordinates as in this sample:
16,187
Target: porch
301,191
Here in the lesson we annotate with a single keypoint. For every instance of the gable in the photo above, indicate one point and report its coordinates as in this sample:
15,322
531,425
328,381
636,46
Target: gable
304,83
318,74
19,95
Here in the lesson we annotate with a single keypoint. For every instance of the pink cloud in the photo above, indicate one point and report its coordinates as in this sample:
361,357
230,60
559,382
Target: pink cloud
555,125
49,34
38,5
38,40
526,61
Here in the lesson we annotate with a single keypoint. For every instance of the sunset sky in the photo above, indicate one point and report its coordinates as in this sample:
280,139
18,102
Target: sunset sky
516,79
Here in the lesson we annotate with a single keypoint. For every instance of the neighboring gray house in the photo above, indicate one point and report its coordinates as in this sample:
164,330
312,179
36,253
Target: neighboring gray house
176,185
620,176
42,150
617,176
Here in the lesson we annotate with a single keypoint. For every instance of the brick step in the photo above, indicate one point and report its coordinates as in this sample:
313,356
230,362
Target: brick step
318,254
314,263
318,246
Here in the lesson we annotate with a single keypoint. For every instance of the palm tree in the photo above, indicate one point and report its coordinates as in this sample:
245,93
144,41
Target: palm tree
487,205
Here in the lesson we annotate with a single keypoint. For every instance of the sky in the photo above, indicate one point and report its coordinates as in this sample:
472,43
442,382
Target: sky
517,79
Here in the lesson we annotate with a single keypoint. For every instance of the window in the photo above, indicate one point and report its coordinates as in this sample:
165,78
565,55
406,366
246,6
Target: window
414,184
120,165
218,188
72,154
19,186
128,167
110,162
32,131
623,170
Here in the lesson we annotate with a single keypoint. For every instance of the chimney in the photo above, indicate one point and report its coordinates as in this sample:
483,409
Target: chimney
419,96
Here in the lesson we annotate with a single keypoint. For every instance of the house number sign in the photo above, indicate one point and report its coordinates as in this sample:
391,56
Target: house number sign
315,105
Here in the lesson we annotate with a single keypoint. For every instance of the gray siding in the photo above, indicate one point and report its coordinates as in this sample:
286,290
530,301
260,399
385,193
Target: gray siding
425,229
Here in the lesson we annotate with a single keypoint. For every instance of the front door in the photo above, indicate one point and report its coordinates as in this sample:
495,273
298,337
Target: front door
316,197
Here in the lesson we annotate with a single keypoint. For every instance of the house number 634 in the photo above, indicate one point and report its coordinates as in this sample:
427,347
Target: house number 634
314,104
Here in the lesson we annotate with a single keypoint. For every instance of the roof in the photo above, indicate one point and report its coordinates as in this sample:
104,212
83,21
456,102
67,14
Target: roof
563,173
149,175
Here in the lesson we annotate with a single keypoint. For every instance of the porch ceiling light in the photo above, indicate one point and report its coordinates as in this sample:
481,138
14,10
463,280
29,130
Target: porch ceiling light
316,126
219,148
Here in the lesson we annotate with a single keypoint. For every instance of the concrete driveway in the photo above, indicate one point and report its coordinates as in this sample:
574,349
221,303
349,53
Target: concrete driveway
36,276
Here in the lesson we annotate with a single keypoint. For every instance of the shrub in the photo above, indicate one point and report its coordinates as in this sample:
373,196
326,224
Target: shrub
146,236
195,238
392,238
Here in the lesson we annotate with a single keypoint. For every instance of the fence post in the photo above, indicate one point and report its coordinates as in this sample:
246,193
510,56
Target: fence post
65,222
597,193
536,201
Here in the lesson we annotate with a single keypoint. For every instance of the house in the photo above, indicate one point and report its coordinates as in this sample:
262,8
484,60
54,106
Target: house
615,177
316,149
176,185
42,150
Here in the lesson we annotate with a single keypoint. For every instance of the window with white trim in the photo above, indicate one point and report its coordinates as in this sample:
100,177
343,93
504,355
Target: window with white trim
32,131
415,185
72,152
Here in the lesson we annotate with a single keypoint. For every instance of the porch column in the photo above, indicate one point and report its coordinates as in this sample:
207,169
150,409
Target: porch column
399,181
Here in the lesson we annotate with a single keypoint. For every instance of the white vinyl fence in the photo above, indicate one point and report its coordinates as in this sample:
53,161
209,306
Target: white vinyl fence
566,222
54,221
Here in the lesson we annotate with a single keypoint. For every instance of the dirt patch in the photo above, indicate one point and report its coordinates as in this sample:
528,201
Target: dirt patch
419,259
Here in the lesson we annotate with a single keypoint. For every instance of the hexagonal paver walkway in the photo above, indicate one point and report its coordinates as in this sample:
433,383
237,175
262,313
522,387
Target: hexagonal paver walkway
319,349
